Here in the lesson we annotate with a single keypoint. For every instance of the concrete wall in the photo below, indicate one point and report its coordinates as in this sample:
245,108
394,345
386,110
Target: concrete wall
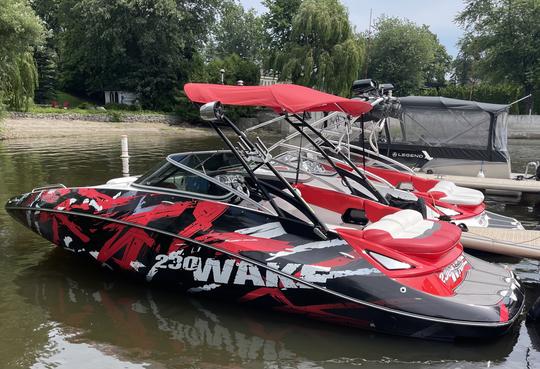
524,126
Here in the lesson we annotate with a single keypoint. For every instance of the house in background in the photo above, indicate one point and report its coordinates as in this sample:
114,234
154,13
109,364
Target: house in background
268,78
120,97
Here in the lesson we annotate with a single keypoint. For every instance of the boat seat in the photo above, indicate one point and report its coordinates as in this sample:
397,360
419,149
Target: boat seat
451,193
406,231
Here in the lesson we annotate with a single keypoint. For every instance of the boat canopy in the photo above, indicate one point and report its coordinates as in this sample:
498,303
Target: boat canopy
462,129
439,102
280,97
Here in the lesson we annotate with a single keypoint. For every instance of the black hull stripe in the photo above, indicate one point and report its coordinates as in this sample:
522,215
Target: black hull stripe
279,272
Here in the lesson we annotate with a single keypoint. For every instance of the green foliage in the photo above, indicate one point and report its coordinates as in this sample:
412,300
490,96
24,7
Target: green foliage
50,110
187,111
61,97
323,51
407,55
238,32
465,65
490,93
115,116
20,32
46,62
505,35
85,105
236,68
277,22
145,46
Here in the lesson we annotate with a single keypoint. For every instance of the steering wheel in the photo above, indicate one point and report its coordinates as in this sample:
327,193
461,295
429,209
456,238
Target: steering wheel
238,183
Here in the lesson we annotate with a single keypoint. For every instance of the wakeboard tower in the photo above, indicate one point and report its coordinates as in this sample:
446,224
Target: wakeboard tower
230,225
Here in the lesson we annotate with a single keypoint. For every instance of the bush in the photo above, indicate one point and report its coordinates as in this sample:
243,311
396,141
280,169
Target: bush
188,111
115,116
73,101
85,105
496,94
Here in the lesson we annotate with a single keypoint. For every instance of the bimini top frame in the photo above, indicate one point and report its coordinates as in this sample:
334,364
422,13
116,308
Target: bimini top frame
288,100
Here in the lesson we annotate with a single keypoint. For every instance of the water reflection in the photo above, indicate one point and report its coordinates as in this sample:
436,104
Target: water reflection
141,325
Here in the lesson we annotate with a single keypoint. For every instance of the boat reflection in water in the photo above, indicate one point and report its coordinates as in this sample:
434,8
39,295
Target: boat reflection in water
142,325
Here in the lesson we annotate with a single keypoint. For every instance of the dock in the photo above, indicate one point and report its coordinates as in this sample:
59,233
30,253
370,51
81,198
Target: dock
479,183
511,242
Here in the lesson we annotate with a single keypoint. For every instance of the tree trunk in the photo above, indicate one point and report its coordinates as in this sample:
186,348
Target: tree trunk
529,103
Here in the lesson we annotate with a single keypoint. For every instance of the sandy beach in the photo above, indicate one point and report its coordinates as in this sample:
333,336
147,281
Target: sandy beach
11,128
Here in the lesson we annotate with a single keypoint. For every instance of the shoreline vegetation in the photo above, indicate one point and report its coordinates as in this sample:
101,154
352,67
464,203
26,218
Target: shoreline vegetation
57,125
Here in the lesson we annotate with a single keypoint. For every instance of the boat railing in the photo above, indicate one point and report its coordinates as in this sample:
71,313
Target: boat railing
49,187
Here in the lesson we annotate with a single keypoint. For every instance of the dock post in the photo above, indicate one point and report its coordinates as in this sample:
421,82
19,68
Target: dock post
125,156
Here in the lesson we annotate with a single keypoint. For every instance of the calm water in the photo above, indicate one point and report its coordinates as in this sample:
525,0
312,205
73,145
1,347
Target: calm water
58,312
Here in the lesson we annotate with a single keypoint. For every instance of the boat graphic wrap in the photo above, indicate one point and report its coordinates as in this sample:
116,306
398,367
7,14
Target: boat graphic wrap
211,248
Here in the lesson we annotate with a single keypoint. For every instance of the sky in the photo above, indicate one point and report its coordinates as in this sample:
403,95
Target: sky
437,14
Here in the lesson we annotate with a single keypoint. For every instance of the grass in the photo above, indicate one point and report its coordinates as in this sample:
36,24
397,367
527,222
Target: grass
77,105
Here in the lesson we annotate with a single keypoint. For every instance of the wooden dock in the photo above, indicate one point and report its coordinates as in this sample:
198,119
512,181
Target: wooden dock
511,242
499,184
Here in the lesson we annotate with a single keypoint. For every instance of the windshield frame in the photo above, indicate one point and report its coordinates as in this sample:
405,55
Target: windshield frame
231,191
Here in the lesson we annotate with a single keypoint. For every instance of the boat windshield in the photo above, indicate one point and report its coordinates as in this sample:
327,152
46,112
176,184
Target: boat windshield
202,173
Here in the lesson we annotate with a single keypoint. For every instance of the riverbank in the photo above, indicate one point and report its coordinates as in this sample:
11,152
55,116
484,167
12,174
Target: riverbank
20,127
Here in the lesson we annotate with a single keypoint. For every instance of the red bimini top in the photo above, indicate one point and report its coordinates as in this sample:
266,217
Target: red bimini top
280,97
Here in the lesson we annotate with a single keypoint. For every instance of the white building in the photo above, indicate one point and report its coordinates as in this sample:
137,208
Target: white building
268,80
120,97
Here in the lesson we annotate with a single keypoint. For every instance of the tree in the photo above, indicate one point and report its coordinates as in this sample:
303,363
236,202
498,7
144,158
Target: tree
236,68
465,65
407,55
21,32
323,52
507,35
146,46
46,55
277,23
46,63
238,32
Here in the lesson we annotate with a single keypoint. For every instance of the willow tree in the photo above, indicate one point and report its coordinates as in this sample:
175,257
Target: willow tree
20,32
323,51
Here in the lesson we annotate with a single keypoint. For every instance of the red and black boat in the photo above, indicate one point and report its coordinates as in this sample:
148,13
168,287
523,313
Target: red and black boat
228,224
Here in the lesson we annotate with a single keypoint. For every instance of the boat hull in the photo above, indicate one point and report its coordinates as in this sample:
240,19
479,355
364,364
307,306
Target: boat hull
195,252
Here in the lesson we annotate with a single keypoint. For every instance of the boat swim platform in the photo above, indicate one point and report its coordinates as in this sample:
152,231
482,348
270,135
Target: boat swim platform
510,242
479,183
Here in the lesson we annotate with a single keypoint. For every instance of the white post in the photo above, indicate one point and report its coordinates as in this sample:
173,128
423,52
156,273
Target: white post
125,156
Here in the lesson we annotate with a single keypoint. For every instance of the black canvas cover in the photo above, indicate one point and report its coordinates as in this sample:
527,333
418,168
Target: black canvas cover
461,128
439,102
